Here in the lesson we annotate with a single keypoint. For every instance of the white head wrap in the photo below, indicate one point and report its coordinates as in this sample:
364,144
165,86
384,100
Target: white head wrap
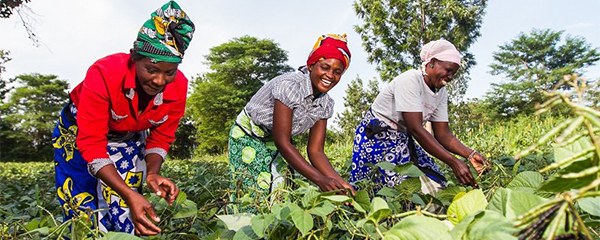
441,50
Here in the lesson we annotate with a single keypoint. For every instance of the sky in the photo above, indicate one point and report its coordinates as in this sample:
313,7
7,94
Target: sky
74,34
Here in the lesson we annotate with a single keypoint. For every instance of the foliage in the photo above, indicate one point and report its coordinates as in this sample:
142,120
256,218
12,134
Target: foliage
4,58
394,31
533,63
515,200
357,102
239,68
29,116
185,140
7,7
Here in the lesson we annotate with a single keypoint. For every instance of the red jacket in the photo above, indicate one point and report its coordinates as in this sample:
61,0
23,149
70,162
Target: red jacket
106,100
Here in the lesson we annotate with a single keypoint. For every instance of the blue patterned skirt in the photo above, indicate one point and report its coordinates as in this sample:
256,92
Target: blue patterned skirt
376,142
86,197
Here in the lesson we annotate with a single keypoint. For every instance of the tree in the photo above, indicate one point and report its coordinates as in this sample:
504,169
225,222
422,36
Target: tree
3,83
394,31
29,116
357,102
7,7
26,16
185,142
533,63
239,68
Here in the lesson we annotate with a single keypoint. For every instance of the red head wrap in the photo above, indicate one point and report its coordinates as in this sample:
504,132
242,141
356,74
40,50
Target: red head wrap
330,46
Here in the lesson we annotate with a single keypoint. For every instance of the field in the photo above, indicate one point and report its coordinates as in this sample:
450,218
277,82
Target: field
550,192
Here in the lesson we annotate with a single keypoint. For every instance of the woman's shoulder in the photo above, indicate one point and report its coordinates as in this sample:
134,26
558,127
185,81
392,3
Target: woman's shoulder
409,75
114,60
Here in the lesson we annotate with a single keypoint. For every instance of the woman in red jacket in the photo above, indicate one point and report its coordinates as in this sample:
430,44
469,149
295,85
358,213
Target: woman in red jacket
118,126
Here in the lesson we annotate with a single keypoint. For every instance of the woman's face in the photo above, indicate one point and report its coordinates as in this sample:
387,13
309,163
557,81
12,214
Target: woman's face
441,73
153,77
325,74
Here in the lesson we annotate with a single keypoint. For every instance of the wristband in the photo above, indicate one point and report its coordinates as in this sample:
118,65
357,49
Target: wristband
471,155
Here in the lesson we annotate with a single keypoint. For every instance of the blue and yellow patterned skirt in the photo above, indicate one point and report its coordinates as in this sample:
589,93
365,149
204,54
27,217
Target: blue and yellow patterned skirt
376,142
85,196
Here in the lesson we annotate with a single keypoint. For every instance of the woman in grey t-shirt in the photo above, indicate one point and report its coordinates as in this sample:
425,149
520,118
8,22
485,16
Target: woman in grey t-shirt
396,119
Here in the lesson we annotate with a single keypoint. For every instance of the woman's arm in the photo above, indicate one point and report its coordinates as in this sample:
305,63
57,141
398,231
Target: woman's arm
160,185
282,133
433,147
444,136
316,153
137,203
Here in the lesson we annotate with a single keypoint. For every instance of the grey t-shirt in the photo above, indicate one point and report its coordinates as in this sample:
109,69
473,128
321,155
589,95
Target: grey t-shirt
295,91
409,93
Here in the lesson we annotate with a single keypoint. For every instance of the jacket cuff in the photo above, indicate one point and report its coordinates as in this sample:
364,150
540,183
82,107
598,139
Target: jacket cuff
97,164
157,150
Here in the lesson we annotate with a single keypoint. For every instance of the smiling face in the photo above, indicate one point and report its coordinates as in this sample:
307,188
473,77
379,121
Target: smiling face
440,74
325,74
153,77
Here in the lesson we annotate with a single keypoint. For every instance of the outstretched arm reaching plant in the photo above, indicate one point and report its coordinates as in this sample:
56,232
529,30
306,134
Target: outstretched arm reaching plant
444,136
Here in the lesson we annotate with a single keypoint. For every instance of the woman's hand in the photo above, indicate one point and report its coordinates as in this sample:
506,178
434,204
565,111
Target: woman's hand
163,187
347,187
327,184
462,172
140,208
479,163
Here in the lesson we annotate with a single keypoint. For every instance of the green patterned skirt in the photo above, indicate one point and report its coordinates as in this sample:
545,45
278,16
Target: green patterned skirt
256,166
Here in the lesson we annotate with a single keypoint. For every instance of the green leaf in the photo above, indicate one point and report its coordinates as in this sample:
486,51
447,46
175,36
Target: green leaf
528,181
245,233
188,209
302,219
119,236
362,198
337,198
309,196
471,202
418,228
276,210
323,209
483,225
237,221
446,195
512,203
408,170
386,165
181,197
261,223
379,209
387,192
409,186
590,205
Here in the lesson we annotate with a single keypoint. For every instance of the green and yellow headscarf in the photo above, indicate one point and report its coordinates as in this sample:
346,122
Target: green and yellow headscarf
166,35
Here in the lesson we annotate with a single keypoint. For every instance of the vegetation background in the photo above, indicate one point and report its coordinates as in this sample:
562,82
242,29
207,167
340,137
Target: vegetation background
499,123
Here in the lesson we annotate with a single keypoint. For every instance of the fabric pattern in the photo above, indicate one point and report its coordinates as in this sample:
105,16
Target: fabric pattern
376,142
295,91
166,35
79,193
256,166
330,46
